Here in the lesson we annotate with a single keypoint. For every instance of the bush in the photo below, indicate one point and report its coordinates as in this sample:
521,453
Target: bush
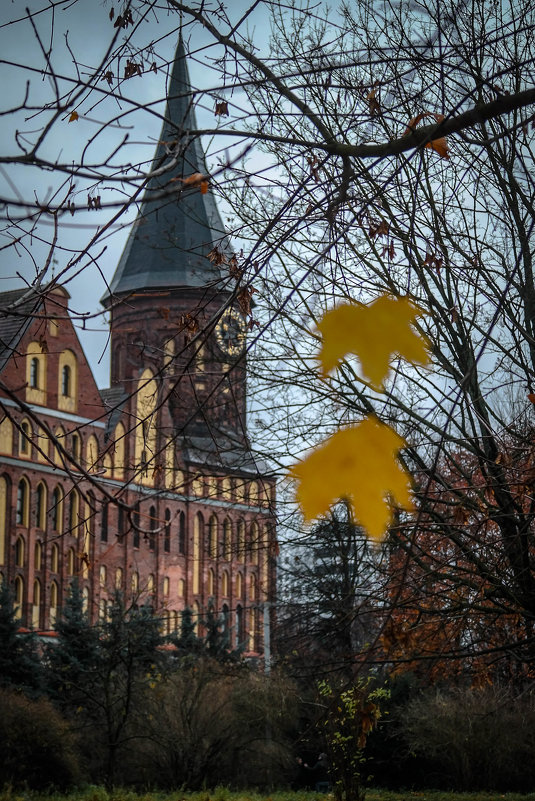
473,739
38,747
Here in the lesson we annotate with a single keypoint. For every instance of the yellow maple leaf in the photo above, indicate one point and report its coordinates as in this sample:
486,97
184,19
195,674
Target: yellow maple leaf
374,332
360,465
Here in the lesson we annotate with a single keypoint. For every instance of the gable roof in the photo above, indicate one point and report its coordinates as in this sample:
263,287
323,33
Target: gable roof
170,240
15,319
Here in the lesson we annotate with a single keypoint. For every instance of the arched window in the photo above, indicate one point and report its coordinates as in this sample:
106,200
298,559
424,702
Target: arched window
70,562
59,435
40,506
165,587
167,532
168,356
224,584
198,536
38,556
135,583
254,543
104,523
107,465
53,612
145,433
35,374
103,577
85,599
240,541
36,606
153,527
252,629
212,537
227,540
54,559
182,533
181,588
42,445
25,435
68,381
119,454
102,610
118,579
23,505
19,597
76,447
6,436
56,512
226,489
253,493
150,583
3,519
91,453
210,582
253,586
239,585
135,520
74,513
240,627
20,552
197,486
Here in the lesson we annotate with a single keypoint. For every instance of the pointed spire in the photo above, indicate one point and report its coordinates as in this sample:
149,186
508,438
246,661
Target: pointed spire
170,240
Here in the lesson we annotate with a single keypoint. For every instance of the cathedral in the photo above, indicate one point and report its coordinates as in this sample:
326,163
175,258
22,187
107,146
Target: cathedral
149,487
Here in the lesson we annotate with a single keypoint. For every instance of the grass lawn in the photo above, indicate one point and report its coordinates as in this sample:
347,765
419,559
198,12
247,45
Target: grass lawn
222,794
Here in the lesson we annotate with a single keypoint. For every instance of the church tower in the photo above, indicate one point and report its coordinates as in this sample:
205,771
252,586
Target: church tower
171,295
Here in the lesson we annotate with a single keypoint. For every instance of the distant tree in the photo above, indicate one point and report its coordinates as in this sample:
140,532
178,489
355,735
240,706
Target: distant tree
332,580
101,674
20,664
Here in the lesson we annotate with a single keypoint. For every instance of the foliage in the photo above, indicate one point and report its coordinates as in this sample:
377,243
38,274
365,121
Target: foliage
208,723
474,739
39,749
350,714
101,674
20,666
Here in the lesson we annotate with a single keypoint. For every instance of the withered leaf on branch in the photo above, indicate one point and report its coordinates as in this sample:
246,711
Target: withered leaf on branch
244,299
439,145
221,108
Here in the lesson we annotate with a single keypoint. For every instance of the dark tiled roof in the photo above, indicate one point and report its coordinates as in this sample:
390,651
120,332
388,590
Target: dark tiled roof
15,319
170,240
225,453
113,399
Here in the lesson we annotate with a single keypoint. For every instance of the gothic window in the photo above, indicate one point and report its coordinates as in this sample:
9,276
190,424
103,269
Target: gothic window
74,513
225,584
20,552
210,582
103,577
135,534
104,523
227,540
76,447
19,597
36,606
56,512
240,541
71,562
6,436
53,613
167,532
153,527
35,374
25,433
119,456
38,555
67,381
212,537
54,559
198,536
40,506
182,533
118,578
23,493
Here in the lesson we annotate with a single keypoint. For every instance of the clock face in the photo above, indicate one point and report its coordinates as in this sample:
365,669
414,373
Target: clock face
230,332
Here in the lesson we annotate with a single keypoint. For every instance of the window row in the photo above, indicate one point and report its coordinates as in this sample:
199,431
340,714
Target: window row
35,605
46,511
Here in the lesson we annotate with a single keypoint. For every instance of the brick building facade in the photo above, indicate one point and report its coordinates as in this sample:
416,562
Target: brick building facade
148,487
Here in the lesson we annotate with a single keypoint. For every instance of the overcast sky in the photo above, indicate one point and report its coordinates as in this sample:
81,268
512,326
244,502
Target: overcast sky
83,30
